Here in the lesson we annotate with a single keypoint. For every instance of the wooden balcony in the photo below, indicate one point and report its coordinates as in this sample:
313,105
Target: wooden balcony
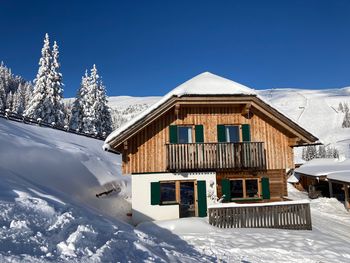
216,156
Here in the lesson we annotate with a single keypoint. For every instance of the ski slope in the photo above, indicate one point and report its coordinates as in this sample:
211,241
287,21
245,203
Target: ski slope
317,111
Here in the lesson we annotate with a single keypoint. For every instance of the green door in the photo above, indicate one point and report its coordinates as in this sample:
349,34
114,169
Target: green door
202,198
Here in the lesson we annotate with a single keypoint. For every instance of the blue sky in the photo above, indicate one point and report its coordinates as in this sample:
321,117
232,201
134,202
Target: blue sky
146,48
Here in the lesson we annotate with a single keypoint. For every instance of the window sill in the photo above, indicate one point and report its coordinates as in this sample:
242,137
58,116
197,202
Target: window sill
166,204
246,199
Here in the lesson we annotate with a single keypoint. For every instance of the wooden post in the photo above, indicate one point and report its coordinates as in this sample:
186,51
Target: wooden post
330,189
347,201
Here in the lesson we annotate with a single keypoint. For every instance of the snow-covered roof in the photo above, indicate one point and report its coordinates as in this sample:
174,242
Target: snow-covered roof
332,168
343,176
204,84
294,178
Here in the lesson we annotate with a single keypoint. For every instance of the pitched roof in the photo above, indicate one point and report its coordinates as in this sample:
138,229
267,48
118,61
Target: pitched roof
204,84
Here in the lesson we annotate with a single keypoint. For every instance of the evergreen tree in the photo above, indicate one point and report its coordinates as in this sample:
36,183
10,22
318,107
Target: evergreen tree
346,120
90,112
9,101
2,95
78,107
41,105
340,107
321,151
57,87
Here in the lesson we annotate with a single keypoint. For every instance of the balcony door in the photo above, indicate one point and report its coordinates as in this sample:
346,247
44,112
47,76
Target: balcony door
232,133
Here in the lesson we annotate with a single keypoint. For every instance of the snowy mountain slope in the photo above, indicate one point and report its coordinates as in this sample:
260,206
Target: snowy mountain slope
317,111
49,211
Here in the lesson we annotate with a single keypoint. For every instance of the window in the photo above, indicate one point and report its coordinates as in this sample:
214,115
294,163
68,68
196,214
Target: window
245,188
232,133
252,189
167,193
236,189
185,134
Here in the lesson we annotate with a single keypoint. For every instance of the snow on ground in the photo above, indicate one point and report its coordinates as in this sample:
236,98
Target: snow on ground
49,213
49,158
329,241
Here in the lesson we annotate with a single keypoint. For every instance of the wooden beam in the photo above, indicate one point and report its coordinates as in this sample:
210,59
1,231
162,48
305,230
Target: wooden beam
347,198
246,108
330,189
125,145
177,109
293,141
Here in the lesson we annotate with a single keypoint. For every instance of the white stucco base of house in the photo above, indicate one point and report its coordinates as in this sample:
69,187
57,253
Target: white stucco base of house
143,210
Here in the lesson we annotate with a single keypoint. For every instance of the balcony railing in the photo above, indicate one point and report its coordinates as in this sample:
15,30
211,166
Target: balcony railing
216,156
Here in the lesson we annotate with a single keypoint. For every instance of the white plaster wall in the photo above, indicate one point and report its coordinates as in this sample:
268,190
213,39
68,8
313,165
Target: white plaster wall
142,210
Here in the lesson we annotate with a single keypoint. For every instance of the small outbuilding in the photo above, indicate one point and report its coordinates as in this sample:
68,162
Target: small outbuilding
326,177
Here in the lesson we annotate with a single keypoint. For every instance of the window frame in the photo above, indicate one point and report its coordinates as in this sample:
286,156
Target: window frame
245,197
177,193
192,133
239,132
168,202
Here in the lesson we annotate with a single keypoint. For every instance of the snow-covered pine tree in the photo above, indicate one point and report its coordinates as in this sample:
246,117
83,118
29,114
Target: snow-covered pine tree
57,88
2,95
78,107
340,107
9,86
346,120
311,152
90,111
303,153
9,100
41,105
321,152
103,119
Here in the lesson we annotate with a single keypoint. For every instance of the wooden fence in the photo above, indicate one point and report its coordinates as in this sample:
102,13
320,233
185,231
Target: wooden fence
26,120
216,156
284,215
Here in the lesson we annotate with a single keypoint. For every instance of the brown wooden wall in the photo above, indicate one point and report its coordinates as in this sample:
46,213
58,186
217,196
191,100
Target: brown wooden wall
277,179
146,150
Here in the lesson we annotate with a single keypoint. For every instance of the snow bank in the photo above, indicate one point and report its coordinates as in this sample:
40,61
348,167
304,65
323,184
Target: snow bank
49,211
72,167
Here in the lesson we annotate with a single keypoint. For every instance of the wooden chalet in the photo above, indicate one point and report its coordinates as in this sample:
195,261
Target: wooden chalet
208,138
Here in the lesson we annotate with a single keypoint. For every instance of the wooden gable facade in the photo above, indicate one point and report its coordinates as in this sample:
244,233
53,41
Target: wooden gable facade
263,146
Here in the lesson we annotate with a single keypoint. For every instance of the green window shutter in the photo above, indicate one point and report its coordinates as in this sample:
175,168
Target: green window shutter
202,198
221,133
155,193
173,133
265,183
226,189
246,132
199,133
